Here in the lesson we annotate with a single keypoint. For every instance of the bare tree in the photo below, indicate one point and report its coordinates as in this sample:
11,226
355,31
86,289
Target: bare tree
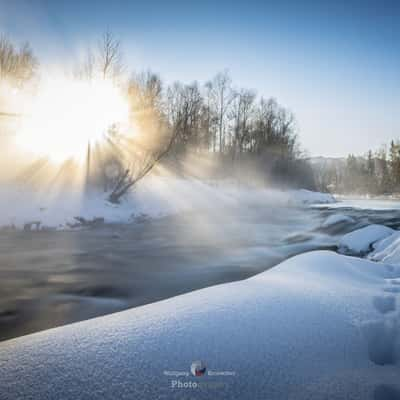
16,65
153,139
86,69
104,60
209,118
137,171
110,56
185,115
145,90
222,96
241,114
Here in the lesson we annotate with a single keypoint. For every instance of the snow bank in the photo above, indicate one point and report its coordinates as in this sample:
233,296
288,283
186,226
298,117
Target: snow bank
317,326
154,197
336,219
360,241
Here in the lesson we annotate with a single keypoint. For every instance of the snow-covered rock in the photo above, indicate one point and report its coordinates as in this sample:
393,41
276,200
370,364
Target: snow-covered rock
360,241
317,326
336,219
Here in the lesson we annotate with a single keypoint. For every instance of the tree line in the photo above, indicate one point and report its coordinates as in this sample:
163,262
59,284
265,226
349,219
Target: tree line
375,173
17,65
232,127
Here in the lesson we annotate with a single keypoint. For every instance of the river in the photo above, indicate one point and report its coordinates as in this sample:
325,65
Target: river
50,279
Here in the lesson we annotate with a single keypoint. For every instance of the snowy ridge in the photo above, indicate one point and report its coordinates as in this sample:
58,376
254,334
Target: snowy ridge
319,325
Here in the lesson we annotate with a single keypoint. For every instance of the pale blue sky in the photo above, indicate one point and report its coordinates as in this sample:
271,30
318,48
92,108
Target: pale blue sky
335,64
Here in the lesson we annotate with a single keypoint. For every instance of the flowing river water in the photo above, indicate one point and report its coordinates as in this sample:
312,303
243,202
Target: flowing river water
53,278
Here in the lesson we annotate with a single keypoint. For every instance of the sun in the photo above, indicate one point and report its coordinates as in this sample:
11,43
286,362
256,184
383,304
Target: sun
68,114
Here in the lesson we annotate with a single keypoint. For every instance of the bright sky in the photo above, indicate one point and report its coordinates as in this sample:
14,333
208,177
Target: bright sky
335,64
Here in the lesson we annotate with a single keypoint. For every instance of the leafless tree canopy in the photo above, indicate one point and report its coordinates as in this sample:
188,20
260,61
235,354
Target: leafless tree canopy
222,95
153,140
104,60
16,65
110,56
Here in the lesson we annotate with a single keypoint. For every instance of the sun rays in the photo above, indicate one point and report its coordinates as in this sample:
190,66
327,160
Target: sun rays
67,115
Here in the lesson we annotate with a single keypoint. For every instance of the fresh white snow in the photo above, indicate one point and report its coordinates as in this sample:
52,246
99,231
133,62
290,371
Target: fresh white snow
296,331
360,241
319,325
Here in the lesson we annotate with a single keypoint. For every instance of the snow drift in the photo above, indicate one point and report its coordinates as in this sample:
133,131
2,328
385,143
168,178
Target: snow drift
319,325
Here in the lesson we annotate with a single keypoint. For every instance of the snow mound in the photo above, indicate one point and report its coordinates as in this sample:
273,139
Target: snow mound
336,219
360,241
318,326
387,250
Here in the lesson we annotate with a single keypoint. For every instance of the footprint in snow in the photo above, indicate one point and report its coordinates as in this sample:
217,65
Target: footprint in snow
386,392
381,338
382,335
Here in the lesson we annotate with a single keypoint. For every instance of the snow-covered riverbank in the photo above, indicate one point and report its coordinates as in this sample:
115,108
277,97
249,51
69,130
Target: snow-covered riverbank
154,197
